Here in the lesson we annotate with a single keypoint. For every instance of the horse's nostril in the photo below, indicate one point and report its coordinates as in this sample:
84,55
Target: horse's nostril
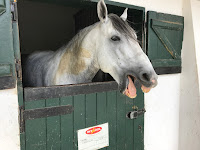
145,77
153,81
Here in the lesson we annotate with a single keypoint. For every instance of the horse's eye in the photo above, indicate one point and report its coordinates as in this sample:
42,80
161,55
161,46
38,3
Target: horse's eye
115,38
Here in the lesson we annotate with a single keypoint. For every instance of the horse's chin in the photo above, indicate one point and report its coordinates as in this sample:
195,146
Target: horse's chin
130,89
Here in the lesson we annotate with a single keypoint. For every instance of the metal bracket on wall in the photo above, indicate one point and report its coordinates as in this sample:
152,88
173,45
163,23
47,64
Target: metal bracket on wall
42,113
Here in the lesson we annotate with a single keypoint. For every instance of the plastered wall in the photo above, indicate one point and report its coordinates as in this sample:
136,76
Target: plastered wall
9,126
195,14
189,128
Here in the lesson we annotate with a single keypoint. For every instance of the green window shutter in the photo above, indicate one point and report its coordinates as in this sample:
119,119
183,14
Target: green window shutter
164,41
7,63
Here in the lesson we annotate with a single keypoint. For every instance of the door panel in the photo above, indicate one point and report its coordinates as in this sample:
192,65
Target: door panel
60,132
7,61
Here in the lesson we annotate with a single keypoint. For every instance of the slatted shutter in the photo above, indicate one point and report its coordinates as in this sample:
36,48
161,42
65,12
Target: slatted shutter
7,63
164,41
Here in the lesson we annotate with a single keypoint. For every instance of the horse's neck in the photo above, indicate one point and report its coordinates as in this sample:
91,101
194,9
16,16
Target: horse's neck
78,65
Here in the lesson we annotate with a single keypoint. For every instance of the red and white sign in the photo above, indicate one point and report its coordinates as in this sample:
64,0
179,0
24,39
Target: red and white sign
93,138
93,130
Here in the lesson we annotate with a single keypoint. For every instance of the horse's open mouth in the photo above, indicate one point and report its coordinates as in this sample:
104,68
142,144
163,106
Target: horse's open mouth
130,90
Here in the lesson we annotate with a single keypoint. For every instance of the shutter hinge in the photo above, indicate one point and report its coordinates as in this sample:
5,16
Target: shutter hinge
14,11
145,25
21,119
18,68
134,114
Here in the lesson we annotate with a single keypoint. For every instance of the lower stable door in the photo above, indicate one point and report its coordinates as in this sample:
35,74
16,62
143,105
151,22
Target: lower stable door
53,123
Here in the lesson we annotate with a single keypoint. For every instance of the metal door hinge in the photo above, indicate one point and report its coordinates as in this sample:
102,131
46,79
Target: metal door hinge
21,119
134,114
14,11
18,68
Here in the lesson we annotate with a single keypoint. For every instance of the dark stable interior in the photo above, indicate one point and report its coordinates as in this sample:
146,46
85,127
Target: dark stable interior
48,26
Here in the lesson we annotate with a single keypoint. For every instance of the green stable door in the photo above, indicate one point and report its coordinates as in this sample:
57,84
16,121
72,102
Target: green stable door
51,116
60,132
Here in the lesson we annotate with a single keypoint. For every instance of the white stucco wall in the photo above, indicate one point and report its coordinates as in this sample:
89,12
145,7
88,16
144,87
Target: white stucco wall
9,126
165,6
195,15
189,129
162,116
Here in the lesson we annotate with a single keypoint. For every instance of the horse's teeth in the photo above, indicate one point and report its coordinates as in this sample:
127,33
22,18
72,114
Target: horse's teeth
131,96
145,90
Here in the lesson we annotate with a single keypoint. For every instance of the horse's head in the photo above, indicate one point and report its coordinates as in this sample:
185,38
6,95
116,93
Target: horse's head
120,54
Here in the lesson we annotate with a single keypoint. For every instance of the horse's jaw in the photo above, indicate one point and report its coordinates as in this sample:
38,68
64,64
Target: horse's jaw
129,87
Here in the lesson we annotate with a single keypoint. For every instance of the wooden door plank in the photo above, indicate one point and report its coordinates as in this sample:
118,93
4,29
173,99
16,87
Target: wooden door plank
121,121
67,128
102,109
79,116
165,41
53,126
129,125
166,62
35,129
174,34
91,110
138,127
22,141
112,118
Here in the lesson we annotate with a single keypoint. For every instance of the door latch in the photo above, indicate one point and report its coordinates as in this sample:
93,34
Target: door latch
134,114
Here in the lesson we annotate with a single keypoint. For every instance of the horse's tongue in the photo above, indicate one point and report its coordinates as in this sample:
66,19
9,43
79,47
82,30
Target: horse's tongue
131,90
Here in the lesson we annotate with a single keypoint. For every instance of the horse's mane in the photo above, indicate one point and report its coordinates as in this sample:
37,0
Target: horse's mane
122,26
119,24
75,43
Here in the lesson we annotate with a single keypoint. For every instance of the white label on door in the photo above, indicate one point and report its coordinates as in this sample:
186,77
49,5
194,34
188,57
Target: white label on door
93,138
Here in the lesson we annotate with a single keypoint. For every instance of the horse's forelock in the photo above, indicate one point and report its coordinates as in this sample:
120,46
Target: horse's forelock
122,26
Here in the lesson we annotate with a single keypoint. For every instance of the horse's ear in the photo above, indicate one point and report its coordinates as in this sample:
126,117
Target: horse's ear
124,15
102,11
